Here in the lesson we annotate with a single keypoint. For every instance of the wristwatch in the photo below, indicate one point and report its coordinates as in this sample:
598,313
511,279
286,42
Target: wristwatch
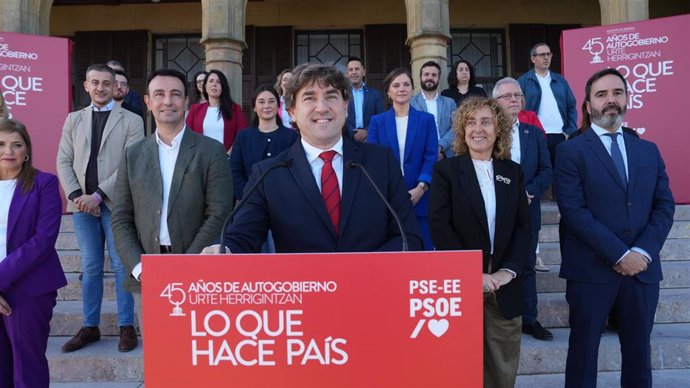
424,186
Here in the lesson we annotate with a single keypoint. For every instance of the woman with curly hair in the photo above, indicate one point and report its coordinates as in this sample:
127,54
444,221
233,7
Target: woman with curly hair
478,201
461,82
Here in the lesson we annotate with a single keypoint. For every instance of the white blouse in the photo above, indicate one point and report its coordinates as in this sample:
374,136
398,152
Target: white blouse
401,131
6,193
485,176
214,126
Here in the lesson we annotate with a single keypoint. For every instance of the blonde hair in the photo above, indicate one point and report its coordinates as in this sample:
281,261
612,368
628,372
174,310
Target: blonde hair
502,126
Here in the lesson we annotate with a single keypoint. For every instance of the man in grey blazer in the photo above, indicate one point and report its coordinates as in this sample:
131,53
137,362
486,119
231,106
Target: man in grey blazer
430,100
92,144
174,188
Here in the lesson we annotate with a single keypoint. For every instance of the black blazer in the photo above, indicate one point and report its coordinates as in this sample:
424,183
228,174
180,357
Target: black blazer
457,219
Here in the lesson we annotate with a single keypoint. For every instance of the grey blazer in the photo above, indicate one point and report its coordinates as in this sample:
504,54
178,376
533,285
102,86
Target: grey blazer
446,108
122,129
200,199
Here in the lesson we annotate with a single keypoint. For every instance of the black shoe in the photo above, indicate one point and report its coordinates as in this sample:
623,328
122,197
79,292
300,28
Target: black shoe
537,331
128,339
84,336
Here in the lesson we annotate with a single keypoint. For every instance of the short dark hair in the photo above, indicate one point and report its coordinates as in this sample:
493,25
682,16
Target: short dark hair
99,67
533,50
358,59
121,72
453,74
393,75
167,73
600,74
429,64
323,75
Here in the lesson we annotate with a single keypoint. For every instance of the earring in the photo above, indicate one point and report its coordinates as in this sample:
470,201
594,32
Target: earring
26,158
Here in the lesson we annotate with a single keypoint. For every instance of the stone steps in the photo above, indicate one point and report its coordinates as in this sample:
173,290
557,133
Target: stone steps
670,350
542,364
676,275
68,318
674,306
673,250
679,230
98,362
663,378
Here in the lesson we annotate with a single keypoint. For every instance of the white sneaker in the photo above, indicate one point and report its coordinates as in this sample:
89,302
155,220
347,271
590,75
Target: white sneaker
539,266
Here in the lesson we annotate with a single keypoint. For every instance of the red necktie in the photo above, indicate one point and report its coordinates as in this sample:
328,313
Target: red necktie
329,189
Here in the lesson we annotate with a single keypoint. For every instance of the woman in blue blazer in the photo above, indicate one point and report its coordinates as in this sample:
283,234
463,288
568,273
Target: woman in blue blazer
30,271
413,138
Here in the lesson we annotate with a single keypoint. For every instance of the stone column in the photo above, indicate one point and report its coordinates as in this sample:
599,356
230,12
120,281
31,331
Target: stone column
428,34
25,16
622,11
222,34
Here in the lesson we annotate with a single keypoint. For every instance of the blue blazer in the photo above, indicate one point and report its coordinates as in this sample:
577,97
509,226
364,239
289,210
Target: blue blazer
603,218
289,203
446,107
421,148
32,264
373,105
536,167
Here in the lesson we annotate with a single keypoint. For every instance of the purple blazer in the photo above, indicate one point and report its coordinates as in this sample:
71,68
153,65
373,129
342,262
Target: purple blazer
32,264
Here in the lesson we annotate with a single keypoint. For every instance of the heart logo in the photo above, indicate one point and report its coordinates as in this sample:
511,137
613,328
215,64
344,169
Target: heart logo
438,327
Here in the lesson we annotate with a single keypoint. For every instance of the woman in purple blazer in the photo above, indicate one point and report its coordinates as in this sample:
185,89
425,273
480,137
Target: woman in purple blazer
30,271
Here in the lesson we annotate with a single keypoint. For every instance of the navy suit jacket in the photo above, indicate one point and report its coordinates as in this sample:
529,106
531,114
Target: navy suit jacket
536,167
373,105
446,107
603,218
32,264
421,148
289,203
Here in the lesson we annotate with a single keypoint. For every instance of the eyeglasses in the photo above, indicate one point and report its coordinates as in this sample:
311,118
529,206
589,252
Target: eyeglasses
543,55
510,96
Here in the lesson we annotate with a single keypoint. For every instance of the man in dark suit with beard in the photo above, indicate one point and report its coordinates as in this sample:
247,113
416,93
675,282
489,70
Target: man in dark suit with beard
617,209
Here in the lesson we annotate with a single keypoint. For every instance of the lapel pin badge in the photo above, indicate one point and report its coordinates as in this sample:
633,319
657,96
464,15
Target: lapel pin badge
503,179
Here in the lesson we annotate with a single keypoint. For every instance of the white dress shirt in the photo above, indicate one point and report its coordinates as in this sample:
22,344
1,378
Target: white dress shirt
515,154
548,113
6,193
316,163
167,157
432,107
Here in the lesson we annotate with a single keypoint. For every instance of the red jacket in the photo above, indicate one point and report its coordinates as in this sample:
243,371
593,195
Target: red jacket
197,113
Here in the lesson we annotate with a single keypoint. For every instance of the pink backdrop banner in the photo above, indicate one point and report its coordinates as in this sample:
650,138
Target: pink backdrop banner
653,56
35,82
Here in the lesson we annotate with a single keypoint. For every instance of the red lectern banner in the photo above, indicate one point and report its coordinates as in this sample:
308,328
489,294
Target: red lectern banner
653,57
313,320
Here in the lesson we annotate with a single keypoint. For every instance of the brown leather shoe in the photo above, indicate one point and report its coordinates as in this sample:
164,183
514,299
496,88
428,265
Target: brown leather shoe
84,336
128,339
